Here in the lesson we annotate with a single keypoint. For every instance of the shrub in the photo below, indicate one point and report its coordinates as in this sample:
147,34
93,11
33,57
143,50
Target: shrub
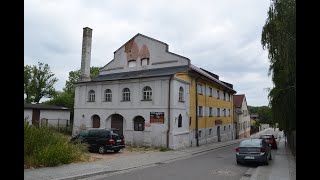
46,147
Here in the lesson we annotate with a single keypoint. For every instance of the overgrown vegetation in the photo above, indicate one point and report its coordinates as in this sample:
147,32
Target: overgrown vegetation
46,147
279,38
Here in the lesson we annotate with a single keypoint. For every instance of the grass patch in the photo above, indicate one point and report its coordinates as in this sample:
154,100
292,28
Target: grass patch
46,147
164,149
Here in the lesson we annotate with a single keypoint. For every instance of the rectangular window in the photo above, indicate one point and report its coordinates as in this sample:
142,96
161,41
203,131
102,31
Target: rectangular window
200,111
210,131
210,111
200,134
126,96
210,91
224,128
224,95
218,112
108,97
224,113
229,112
199,88
218,94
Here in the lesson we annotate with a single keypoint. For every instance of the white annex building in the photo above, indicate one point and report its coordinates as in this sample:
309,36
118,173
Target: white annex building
149,94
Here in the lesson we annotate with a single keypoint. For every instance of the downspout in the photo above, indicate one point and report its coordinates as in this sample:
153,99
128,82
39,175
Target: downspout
197,121
169,100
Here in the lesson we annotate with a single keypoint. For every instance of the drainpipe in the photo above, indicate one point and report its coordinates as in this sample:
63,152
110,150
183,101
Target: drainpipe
169,100
197,121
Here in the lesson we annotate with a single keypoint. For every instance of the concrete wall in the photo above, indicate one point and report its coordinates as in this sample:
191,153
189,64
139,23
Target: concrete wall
154,134
28,114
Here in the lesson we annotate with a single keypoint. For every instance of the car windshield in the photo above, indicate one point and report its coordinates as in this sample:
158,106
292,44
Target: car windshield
84,133
250,143
266,136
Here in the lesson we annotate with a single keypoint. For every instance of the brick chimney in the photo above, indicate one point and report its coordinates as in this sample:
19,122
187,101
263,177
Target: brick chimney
86,54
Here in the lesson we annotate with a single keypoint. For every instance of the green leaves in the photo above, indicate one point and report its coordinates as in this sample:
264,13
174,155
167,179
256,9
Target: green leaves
279,38
38,82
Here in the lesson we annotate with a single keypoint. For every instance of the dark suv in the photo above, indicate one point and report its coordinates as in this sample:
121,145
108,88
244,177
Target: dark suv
100,140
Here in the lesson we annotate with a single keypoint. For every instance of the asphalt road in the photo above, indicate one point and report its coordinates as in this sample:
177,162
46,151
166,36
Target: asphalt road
218,164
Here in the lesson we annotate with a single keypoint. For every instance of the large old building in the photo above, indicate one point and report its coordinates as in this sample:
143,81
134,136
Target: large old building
155,97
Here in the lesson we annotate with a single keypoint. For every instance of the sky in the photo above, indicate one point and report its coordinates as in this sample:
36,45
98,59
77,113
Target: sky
223,37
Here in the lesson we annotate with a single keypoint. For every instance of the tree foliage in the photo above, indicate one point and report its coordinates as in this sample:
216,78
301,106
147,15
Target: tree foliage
279,38
38,82
264,112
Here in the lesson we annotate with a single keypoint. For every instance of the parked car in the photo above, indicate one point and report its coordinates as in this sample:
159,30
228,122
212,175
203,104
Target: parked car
270,139
100,140
253,150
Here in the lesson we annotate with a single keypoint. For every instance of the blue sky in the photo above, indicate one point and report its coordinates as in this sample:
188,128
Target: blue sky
223,37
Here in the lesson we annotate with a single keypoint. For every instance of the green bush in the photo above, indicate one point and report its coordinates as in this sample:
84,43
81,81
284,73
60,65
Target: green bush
46,147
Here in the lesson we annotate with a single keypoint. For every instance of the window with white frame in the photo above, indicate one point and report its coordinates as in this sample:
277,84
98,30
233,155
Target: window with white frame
229,112
210,91
200,133
91,96
218,94
224,112
218,112
147,93
179,121
108,95
229,97
200,111
210,131
199,88
132,63
224,95
126,94
181,94
210,111
224,128
144,61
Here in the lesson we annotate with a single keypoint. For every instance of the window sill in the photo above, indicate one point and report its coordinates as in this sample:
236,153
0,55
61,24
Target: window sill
181,101
91,101
146,99
124,101
106,101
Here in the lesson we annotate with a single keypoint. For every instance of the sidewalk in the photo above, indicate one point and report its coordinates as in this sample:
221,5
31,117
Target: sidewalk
281,167
123,163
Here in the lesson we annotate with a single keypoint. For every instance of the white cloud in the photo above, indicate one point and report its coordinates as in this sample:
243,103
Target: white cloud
220,36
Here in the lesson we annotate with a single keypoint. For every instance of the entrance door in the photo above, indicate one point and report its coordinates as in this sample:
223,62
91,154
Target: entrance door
36,117
95,121
218,134
117,122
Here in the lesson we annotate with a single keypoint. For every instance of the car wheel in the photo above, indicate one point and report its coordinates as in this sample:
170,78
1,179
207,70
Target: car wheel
116,150
102,149
270,158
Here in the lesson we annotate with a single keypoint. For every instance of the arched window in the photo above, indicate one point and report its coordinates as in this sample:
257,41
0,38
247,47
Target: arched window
132,63
144,61
138,123
181,94
180,121
108,95
147,93
91,95
126,94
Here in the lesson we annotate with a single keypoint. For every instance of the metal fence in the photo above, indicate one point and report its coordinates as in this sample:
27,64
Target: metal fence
60,124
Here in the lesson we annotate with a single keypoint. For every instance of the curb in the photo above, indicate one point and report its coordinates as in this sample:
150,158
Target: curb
148,165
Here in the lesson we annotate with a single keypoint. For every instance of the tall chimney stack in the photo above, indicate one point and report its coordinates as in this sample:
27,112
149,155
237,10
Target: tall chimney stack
86,54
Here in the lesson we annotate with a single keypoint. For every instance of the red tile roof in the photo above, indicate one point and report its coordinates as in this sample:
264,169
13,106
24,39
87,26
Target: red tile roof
237,100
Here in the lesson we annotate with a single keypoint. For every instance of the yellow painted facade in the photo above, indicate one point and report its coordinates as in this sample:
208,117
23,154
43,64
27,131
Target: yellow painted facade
206,101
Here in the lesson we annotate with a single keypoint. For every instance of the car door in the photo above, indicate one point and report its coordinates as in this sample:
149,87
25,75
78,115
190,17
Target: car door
92,138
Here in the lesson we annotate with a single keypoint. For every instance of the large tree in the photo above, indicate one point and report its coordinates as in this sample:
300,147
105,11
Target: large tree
279,38
38,82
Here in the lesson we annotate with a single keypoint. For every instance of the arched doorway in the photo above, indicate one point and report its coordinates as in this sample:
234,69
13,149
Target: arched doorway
218,134
138,123
117,122
95,121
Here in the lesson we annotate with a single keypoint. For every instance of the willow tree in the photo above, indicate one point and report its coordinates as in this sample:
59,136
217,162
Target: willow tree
279,38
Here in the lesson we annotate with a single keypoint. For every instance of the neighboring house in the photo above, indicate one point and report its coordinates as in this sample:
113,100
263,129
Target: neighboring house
47,115
155,97
242,117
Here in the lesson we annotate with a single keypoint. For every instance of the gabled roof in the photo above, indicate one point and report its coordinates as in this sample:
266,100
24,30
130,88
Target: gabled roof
44,106
237,100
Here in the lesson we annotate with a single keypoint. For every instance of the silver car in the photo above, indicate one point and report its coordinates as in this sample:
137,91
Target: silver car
253,150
